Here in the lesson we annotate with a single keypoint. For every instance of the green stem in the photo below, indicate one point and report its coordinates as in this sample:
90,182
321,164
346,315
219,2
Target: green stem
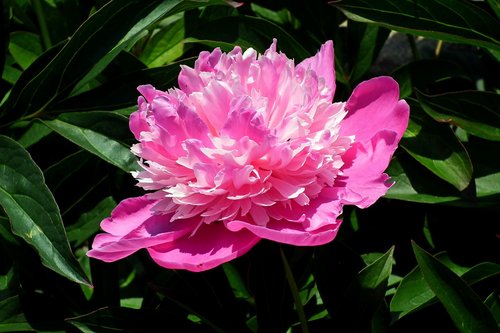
44,30
413,46
295,293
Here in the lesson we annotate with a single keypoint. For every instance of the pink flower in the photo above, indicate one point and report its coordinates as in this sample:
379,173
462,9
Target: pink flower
251,147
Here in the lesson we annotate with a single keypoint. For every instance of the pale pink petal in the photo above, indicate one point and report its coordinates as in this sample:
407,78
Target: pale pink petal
323,64
210,246
374,106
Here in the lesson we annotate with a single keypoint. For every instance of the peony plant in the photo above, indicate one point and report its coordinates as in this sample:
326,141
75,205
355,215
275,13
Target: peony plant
248,147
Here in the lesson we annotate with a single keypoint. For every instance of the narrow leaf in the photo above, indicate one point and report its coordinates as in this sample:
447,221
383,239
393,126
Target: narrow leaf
32,210
364,296
25,47
476,112
101,133
465,308
449,20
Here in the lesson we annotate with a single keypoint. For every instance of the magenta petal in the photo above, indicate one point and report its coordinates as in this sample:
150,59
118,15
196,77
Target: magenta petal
374,106
288,232
363,179
128,215
323,64
210,246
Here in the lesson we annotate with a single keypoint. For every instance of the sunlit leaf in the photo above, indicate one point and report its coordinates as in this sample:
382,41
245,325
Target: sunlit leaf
25,47
101,133
437,148
33,213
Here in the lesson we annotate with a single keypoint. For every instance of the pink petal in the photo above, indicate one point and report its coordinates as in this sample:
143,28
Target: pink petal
288,232
323,64
128,215
363,180
210,246
157,229
374,106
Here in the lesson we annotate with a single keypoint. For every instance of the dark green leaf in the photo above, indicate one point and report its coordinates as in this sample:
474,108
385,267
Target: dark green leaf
121,91
33,134
463,305
436,147
101,133
12,318
364,296
115,26
88,223
116,319
247,31
493,303
476,112
414,293
33,213
449,20
486,168
410,76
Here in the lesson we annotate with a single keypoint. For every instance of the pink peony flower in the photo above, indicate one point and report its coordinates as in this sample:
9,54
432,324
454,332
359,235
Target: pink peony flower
251,147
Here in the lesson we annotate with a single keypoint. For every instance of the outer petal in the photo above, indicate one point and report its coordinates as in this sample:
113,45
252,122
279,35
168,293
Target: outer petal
288,232
323,64
128,215
133,225
363,180
210,246
374,106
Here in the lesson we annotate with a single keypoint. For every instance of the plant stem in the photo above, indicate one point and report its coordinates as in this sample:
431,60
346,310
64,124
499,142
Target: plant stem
413,46
44,30
295,293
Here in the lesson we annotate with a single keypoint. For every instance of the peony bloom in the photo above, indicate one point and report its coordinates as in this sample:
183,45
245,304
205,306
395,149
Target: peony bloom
251,147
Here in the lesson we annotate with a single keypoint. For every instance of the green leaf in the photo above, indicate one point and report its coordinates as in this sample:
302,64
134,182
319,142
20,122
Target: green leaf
101,133
486,168
32,210
94,45
165,45
412,182
493,303
476,112
121,91
495,5
437,148
247,31
414,293
364,296
410,76
33,134
120,319
88,223
25,47
12,318
464,306
448,20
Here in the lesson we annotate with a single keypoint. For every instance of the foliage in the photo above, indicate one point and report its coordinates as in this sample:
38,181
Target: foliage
69,73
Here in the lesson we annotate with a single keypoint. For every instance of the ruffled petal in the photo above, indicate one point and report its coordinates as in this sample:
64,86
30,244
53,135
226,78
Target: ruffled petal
323,64
210,246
